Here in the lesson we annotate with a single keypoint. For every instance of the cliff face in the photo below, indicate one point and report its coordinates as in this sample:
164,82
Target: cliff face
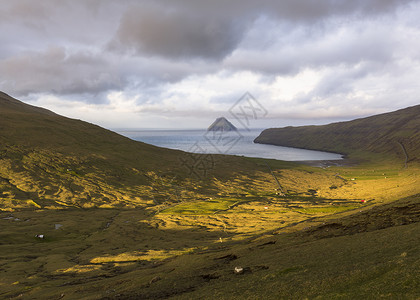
390,134
221,124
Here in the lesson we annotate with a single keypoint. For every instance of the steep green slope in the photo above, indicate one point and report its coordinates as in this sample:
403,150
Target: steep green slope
47,160
388,134
25,125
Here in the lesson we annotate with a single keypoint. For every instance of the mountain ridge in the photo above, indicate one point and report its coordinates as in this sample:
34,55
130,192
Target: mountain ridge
389,134
11,105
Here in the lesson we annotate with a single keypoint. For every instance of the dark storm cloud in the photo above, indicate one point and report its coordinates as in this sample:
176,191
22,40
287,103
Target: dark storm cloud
214,29
55,71
59,71
157,31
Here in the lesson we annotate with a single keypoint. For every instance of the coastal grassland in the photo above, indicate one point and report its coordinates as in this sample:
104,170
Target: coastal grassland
240,210
131,253
316,239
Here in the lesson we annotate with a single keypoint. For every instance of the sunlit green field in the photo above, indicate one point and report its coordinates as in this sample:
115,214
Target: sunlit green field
191,247
112,252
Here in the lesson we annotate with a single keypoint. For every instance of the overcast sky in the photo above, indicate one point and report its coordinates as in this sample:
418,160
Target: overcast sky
182,63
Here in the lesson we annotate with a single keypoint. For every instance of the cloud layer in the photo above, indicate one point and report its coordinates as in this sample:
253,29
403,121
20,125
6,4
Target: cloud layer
193,59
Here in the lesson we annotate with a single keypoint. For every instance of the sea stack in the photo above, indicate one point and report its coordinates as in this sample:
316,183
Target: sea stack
221,124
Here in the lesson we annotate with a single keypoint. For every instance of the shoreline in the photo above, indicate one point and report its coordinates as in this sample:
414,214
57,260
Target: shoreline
345,162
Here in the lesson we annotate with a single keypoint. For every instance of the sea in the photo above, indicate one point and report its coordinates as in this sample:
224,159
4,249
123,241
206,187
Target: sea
239,143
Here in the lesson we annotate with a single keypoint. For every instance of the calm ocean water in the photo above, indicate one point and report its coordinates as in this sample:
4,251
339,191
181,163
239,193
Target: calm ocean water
232,143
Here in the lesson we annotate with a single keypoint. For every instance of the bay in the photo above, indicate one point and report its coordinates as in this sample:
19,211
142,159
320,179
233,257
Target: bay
230,143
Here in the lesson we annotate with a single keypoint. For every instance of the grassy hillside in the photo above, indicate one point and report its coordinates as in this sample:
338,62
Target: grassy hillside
382,135
52,160
47,160
126,220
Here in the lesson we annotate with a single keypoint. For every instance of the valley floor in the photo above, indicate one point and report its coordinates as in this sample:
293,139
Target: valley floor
338,232
130,254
